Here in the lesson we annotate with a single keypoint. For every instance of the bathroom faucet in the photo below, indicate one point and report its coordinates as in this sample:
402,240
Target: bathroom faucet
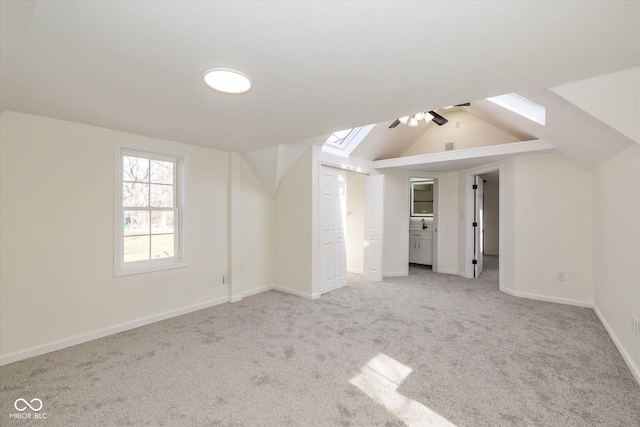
424,224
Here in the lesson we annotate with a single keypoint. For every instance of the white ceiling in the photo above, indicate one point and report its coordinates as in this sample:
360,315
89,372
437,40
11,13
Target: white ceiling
317,67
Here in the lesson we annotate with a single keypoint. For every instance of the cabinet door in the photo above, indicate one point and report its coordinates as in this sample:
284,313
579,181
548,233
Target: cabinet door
425,252
413,250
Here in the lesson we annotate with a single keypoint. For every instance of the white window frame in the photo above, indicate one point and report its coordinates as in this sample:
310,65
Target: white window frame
181,160
349,142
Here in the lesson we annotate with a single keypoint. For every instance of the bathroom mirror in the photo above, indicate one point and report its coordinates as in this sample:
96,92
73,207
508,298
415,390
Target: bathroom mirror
422,198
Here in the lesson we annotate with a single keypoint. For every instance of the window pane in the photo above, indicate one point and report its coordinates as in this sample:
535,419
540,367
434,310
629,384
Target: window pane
136,248
135,169
162,246
161,172
136,222
162,222
135,195
161,196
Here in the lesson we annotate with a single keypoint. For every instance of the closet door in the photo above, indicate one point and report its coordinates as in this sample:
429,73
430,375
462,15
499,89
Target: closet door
333,211
374,227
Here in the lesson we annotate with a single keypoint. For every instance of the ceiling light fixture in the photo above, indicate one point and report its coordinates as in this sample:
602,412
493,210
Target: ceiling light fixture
227,80
431,115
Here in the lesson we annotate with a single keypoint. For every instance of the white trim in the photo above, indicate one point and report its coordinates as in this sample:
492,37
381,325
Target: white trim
235,298
449,272
635,370
353,271
180,179
296,293
395,274
82,338
256,291
277,288
547,298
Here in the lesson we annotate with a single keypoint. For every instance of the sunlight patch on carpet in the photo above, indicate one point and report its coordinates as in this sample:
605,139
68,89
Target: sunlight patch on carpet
380,378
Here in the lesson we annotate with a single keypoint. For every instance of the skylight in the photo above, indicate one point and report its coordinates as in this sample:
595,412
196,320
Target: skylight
522,106
337,139
343,142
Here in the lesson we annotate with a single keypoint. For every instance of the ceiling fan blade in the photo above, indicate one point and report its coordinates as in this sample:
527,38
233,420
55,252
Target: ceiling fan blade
466,104
438,119
394,124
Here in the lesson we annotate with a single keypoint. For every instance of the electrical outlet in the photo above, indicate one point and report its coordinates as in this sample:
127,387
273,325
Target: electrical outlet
226,279
560,276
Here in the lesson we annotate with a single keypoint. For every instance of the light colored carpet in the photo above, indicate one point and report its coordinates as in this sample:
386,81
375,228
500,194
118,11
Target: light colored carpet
458,351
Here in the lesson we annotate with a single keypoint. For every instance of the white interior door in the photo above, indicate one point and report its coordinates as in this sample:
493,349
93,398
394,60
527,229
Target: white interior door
374,226
478,225
333,211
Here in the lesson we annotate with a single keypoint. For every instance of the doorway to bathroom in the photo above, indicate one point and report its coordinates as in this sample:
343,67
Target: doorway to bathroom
423,225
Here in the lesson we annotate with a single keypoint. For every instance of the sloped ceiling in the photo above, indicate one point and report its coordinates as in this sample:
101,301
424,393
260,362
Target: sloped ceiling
612,98
385,143
316,66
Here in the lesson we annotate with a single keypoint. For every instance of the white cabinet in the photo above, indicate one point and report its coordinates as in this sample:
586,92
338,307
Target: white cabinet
421,247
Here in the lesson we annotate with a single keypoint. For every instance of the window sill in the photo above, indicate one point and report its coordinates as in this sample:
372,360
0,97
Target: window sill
148,269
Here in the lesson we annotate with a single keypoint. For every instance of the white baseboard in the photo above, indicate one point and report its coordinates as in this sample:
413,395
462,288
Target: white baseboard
236,298
352,271
448,272
296,293
257,291
635,371
396,274
538,297
281,289
79,339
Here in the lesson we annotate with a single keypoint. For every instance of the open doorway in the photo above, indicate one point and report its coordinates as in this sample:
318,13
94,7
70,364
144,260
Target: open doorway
350,225
355,222
483,223
491,221
423,221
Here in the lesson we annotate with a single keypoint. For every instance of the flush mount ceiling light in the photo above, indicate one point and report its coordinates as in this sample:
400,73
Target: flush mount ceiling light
227,80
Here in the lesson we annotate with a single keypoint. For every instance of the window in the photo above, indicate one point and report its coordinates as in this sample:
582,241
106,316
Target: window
149,213
337,139
522,106
342,143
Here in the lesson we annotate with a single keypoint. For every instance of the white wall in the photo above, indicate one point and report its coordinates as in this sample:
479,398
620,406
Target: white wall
616,230
491,218
293,228
553,208
395,257
256,227
57,216
473,132
508,248
448,223
355,222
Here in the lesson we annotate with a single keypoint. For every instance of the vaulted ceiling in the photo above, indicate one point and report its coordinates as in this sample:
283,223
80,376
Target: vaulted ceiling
317,67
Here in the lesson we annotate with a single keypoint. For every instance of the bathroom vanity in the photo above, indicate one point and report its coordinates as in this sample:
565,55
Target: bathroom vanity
421,246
